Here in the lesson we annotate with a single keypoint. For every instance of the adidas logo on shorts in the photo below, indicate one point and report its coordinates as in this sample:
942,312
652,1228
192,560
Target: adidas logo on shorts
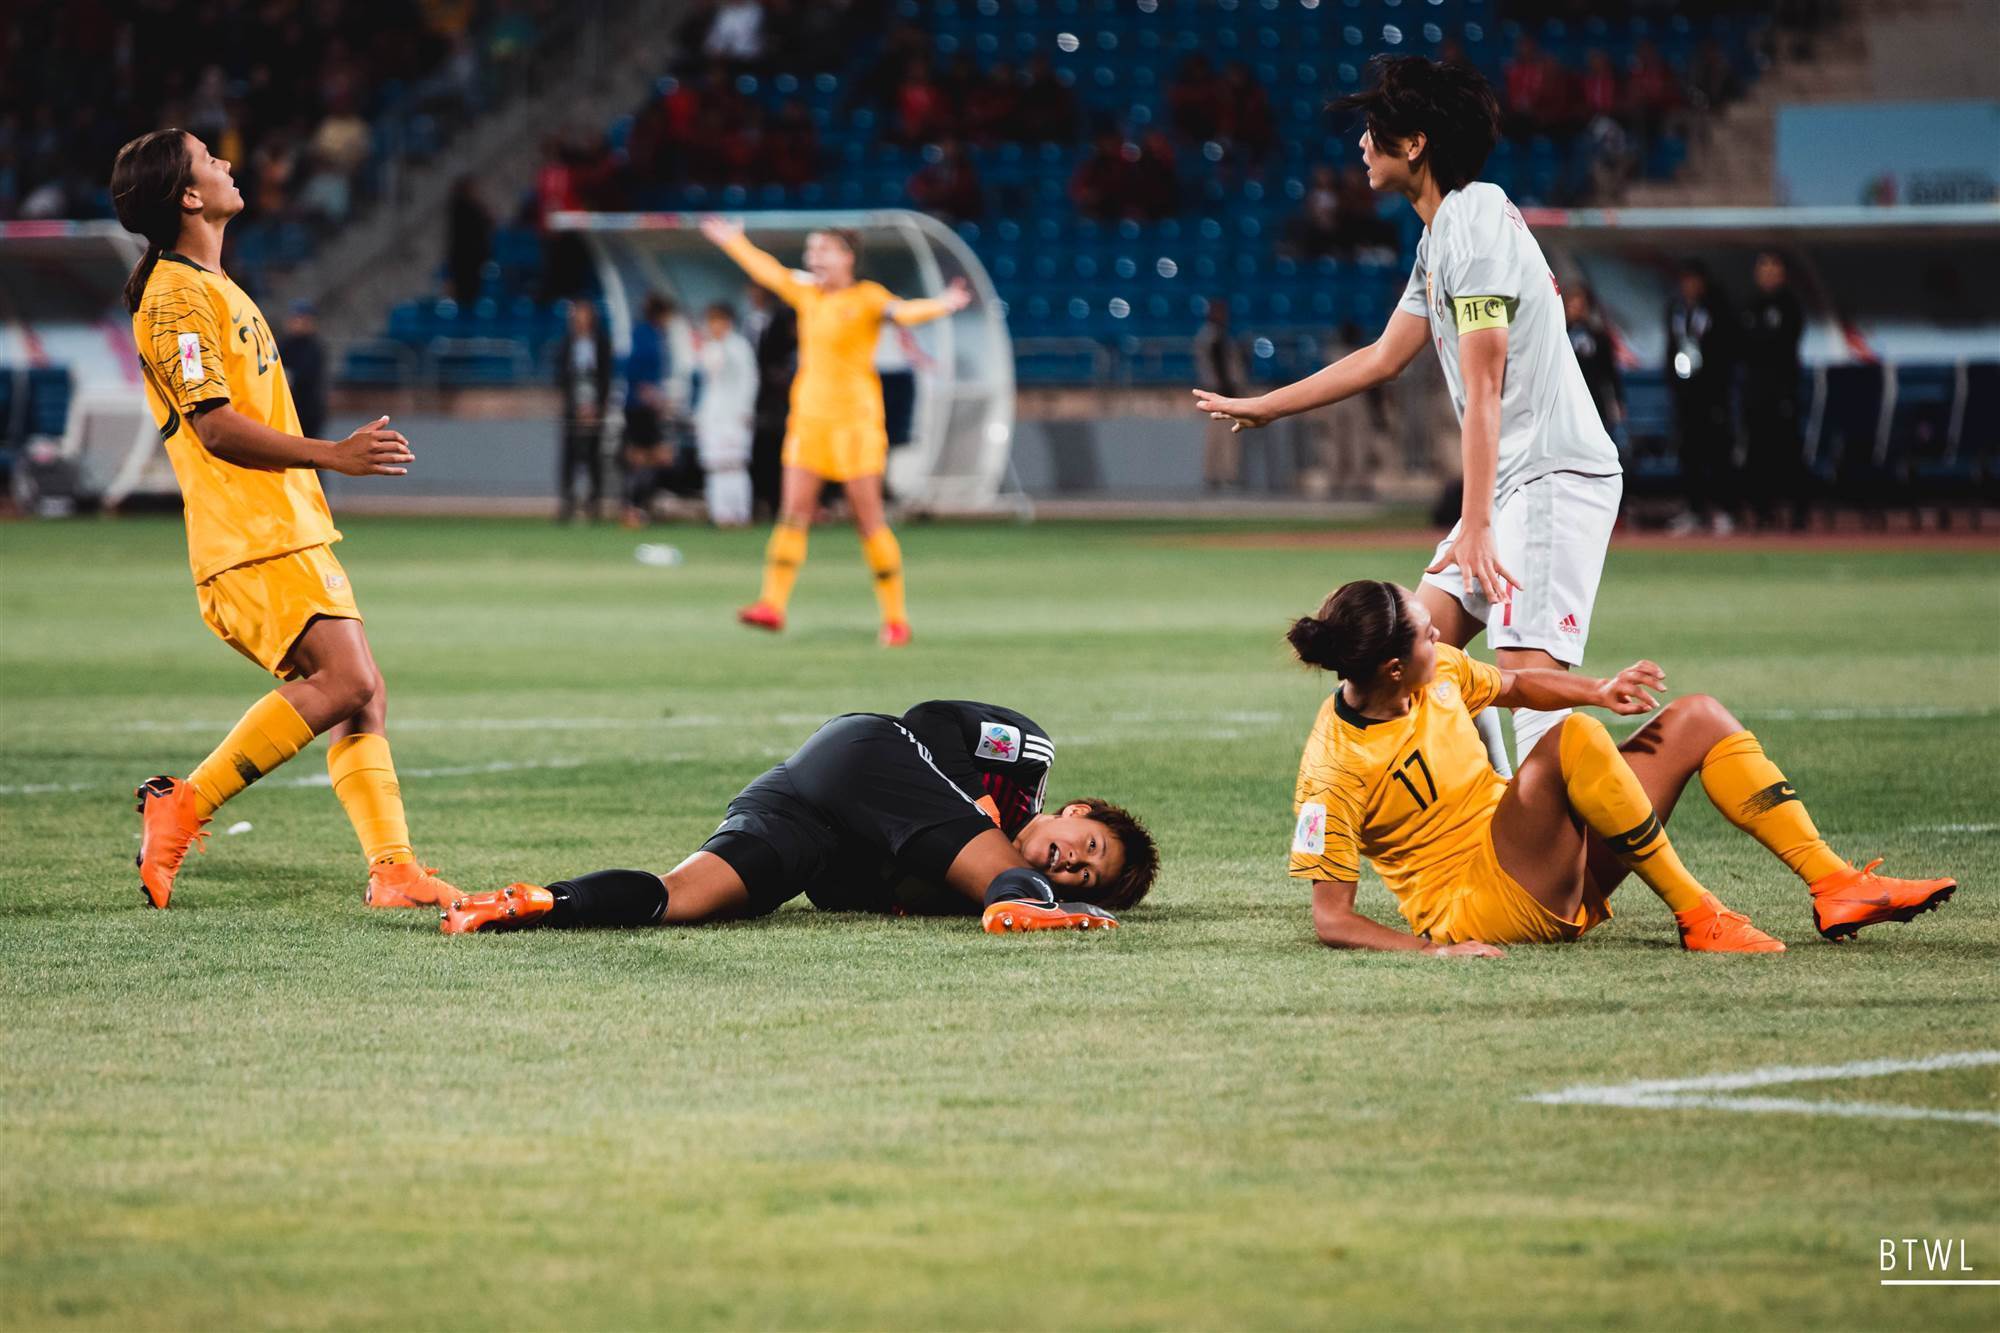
1567,625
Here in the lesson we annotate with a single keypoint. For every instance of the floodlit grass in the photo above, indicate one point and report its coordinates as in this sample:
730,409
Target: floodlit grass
270,1107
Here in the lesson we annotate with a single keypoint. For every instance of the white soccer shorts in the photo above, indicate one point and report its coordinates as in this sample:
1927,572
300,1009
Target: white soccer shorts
1551,534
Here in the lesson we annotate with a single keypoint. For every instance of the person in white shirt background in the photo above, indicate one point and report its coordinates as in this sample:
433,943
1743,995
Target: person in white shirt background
724,416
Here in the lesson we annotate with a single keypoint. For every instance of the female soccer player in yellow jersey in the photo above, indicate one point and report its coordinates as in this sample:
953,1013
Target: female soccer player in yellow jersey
259,533
1395,772
836,431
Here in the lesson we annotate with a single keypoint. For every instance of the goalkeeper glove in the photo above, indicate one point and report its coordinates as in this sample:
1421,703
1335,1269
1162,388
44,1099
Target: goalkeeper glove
1019,899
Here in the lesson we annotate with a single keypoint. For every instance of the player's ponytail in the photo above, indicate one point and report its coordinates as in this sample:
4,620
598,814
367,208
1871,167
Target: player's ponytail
148,178
1358,628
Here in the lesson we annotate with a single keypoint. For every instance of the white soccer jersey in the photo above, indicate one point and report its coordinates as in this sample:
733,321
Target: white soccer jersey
728,399
1479,267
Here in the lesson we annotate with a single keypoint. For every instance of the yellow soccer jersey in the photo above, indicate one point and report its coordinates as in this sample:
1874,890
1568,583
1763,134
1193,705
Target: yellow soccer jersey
836,380
1413,795
202,342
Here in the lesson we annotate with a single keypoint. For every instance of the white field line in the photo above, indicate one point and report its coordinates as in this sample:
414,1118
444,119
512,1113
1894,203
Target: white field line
481,724
1914,712
315,779
1227,717
1960,828
1704,1092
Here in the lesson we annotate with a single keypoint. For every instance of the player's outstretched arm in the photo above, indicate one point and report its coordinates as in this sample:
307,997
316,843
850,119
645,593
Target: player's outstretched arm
764,270
1627,694
372,451
1339,926
1358,371
923,310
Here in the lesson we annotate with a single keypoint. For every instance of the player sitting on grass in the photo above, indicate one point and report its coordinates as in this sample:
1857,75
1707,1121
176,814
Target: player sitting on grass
1395,772
877,814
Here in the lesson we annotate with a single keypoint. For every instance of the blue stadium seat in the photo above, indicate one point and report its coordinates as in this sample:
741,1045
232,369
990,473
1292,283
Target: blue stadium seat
49,390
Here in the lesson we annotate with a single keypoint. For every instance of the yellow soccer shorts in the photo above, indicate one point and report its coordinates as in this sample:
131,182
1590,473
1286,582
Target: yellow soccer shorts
837,450
261,608
1491,905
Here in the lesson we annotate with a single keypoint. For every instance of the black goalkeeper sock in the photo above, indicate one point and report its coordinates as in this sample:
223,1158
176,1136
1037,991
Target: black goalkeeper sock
609,898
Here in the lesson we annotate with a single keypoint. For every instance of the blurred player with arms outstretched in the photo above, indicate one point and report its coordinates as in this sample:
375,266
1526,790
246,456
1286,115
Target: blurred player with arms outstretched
260,536
1542,478
836,431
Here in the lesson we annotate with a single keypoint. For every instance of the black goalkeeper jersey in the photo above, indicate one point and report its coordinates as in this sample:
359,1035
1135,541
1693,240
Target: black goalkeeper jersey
987,750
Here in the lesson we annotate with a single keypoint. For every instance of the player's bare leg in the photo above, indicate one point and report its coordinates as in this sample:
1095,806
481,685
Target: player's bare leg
1576,799
884,555
1459,627
798,499
1531,724
339,681
336,679
704,887
989,871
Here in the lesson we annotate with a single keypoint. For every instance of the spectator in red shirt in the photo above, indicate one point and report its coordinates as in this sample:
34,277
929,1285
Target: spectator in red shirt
791,147
1602,95
992,109
922,112
1246,125
1195,99
1154,188
1048,107
1098,185
1654,91
949,186
1538,93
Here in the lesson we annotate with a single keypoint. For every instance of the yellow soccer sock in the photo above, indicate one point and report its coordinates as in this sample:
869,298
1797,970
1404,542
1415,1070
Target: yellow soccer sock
783,555
885,556
266,736
1753,795
364,778
1606,792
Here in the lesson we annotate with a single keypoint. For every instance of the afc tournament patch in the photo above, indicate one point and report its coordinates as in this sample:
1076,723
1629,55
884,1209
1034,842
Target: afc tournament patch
999,741
1309,835
191,358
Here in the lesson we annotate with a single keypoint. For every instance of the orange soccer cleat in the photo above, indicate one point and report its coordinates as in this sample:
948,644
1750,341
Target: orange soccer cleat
1007,918
405,884
167,824
762,615
895,634
1713,928
1849,899
500,909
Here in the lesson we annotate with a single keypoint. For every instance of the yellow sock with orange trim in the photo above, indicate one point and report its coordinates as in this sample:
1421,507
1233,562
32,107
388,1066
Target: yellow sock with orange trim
364,778
783,555
266,736
1754,795
885,556
1607,793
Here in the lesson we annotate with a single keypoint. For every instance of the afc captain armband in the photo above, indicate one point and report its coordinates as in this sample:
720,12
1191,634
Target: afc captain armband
1479,312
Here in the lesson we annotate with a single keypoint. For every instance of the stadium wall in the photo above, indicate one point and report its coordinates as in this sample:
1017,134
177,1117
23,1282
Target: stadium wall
509,461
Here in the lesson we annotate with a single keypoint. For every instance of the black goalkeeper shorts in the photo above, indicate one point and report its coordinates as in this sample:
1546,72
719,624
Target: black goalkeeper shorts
859,799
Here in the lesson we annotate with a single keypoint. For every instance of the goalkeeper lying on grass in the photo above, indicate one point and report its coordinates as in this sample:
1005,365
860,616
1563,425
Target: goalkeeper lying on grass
934,813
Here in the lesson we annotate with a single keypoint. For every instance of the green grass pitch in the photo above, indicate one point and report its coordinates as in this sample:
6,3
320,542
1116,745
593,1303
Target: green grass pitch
269,1107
